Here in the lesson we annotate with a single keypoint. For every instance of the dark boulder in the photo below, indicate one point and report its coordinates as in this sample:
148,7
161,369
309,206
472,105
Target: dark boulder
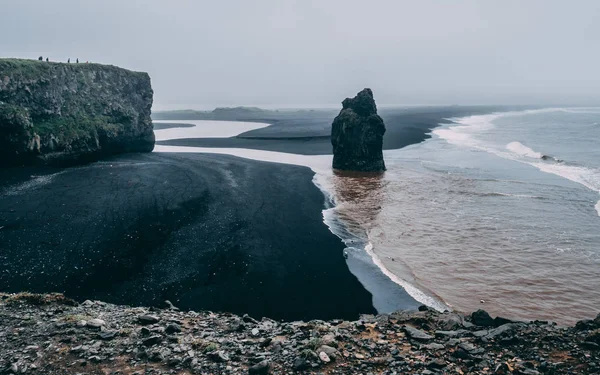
357,135
482,318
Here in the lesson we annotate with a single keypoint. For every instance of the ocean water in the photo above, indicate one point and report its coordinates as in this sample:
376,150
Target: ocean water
498,211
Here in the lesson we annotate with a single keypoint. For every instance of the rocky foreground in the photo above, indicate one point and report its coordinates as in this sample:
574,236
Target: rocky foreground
51,334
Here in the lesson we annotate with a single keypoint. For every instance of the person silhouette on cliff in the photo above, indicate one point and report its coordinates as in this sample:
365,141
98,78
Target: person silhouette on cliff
78,60
69,60
41,58
47,59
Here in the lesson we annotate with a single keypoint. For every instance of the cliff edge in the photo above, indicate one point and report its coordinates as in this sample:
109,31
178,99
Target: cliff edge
68,113
357,135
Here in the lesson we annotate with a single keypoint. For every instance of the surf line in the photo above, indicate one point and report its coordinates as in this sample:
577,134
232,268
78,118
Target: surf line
319,164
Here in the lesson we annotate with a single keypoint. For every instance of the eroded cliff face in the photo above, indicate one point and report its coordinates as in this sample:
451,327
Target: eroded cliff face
68,113
357,135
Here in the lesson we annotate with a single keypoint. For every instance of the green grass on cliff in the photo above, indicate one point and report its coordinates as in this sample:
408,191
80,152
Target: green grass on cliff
81,118
34,68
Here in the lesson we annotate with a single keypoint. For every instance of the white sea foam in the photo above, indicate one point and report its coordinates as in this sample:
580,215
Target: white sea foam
587,177
465,135
520,149
408,287
321,165
499,194
590,110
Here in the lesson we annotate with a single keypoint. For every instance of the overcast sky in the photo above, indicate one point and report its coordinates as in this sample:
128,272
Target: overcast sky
284,53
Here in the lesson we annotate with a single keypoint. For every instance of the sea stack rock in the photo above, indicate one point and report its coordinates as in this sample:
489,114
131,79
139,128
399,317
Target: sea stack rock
357,135
69,113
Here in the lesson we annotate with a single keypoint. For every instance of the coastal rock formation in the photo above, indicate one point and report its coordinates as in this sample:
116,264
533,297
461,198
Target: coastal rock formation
357,135
54,112
51,334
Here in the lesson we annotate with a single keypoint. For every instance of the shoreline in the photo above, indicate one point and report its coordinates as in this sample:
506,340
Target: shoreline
303,142
51,334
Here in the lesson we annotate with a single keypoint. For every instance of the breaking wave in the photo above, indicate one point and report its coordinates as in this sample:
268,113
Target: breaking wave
465,134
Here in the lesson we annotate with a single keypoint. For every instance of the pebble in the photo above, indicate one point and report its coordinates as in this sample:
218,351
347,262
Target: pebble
173,328
148,319
152,340
96,323
324,357
417,334
261,368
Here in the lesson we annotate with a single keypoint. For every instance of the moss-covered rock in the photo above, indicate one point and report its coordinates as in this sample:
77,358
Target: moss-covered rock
55,112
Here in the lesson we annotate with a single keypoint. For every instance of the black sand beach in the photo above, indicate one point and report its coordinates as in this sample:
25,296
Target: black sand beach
204,231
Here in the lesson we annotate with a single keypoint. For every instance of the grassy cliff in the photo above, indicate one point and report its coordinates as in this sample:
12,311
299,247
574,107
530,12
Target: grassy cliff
68,112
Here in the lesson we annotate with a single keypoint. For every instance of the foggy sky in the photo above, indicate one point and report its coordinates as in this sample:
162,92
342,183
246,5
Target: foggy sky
313,53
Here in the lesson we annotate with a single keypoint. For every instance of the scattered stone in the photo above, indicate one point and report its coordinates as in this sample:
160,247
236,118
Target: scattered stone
152,340
248,319
324,357
437,364
446,333
594,336
331,352
434,346
501,330
265,342
96,323
498,321
170,306
205,343
173,328
260,368
451,322
482,318
107,335
148,319
219,356
416,334
328,340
